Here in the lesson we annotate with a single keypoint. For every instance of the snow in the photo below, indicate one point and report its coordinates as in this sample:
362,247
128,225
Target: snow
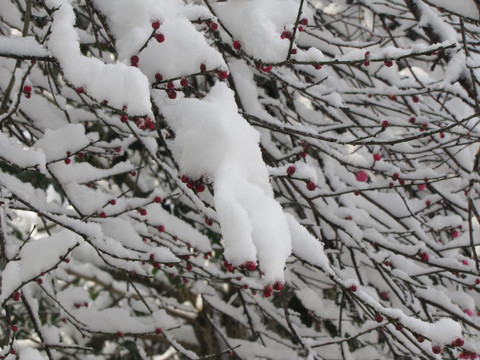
35,257
465,8
28,353
84,172
212,140
56,143
118,83
13,152
22,46
306,246
258,25
130,22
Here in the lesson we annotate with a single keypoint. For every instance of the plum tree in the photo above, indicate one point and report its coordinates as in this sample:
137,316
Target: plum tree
270,179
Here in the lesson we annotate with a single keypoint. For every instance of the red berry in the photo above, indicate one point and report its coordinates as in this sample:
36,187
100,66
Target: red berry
16,296
267,68
286,35
184,179
229,267
189,267
388,63
184,82
79,90
67,161
420,339
222,74
356,192
387,263
208,221
156,24
294,51
28,95
159,37
119,333
367,54
393,97
203,68
421,187
142,212
213,26
199,187
14,328
250,265
415,99
291,170
398,327
157,199
149,123
395,176
158,77
161,228
412,120
317,67
278,286
158,331
352,288
102,214
133,173
458,342
378,318
267,291
300,28
304,21
140,122
385,124
172,94
39,281
124,118
13,351
237,45
424,256
361,176
134,60
366,62
455,234
27,89
377,157
383,295
311,186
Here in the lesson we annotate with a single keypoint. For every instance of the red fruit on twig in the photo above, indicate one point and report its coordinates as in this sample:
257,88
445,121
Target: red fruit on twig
311,186
267,291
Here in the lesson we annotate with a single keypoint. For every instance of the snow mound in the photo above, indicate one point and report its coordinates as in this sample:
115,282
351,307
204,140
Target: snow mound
214,141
